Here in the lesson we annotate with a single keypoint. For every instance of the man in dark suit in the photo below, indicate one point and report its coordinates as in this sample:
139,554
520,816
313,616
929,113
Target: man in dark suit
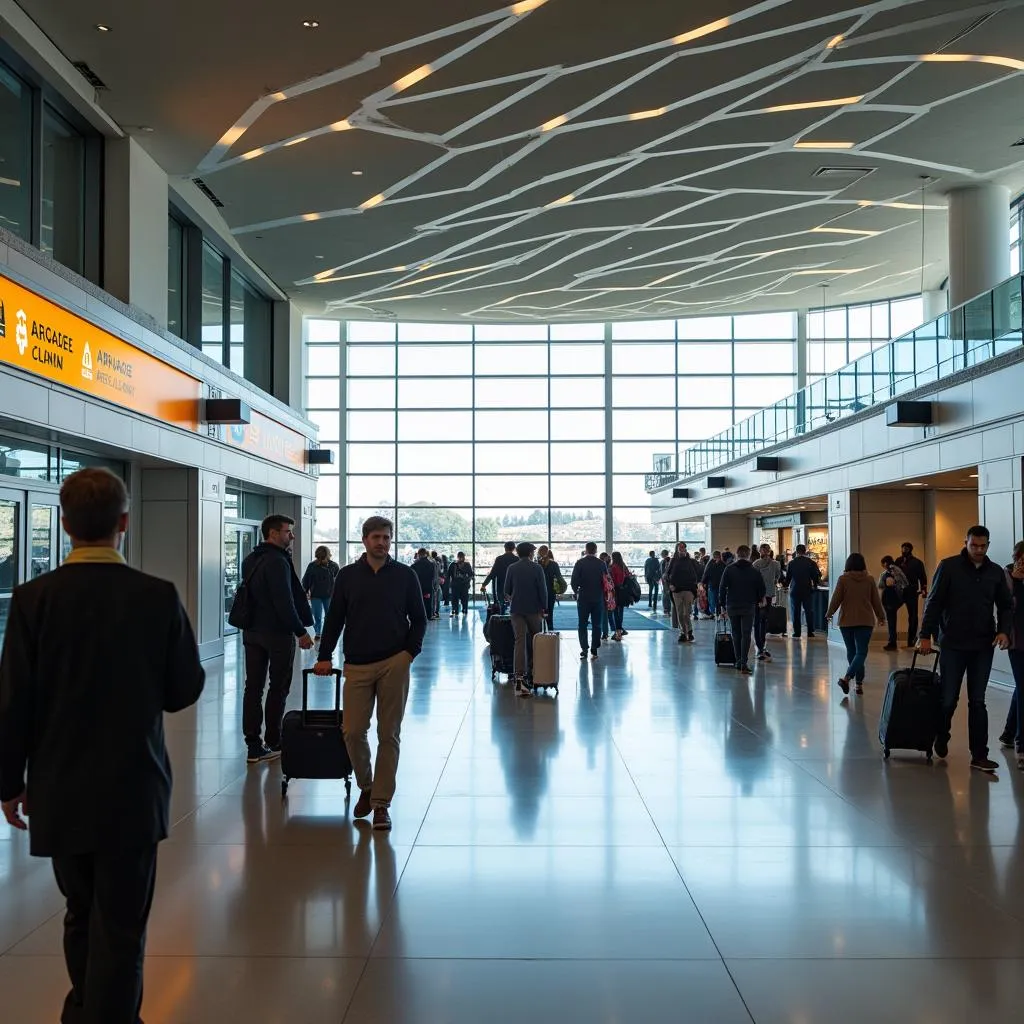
95,653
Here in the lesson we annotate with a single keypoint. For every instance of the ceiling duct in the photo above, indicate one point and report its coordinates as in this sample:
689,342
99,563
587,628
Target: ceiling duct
847,175
208,192
90,76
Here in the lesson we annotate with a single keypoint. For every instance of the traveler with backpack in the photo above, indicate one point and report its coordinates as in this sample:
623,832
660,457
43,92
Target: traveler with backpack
859,606
802,578
623,581
742,593
711,579
460,577
683,580
553,578
893,585
318,583
652,574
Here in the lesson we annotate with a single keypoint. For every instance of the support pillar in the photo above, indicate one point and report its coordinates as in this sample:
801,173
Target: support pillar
979,256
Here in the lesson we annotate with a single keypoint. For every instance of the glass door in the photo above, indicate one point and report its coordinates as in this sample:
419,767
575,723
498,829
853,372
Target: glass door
10,552
44,523
239,542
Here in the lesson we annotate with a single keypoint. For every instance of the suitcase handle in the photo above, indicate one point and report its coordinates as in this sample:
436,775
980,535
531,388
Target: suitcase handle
306,673
935,665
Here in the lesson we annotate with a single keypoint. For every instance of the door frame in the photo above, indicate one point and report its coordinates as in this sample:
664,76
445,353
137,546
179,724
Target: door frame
238,525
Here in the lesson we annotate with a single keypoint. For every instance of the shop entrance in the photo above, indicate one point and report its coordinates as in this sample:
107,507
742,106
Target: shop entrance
240,539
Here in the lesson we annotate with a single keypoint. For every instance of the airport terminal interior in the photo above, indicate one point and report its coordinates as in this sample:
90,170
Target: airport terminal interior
731,273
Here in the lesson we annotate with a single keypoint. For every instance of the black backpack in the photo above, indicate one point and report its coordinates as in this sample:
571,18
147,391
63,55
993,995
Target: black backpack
240,615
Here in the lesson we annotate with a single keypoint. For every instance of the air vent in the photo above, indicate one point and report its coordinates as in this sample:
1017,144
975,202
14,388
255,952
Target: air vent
90,76
847,174
1019,142
207,191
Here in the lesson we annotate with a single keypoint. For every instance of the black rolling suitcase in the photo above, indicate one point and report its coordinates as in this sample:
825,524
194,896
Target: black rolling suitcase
312,744
725,650
492,610
776,624
912,709
503,645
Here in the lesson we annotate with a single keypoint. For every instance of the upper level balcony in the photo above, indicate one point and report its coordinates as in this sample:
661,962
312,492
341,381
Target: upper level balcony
982,329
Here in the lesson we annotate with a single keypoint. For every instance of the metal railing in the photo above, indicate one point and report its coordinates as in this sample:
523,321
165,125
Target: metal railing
973,333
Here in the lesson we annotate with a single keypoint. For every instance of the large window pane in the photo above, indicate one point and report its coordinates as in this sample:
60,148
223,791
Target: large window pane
644,392
175,261
765,358
434,426
644,330
511,458
322,393
705,391
578,490
326,526
435,458
15,155
501,393
370,490
503,523
435,393
575,527
511,332
62,229
577,332
213,304
579,457
435,360
763,391
700,424
523,490
327,423
371,458
695,357
323,360
638,457
357,331
764,325
371,394
636,357
573,359
577,425
328,490
433,525
638,425
502,360
369,360
705,328
435,490
628,489
577,392
371,426
435,332
527,426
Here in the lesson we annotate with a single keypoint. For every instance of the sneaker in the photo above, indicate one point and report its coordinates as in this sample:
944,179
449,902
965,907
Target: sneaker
890,647
604,636
261,752
860,690
761,656
1006,741
767,654
624,632
746,670
843,683
682,638
1020,761
381,820
689,637
583,655
983,764
811,636
795,636
942,749
363,805
593,655
316,639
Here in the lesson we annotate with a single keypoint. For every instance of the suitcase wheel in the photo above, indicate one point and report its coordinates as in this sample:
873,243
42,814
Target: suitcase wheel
928,755
284,788
885,753
348,787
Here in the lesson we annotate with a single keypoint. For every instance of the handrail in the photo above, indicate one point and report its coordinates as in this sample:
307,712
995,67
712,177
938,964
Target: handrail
978,330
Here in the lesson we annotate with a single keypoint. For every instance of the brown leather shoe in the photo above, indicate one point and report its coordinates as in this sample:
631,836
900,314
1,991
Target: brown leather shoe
363,805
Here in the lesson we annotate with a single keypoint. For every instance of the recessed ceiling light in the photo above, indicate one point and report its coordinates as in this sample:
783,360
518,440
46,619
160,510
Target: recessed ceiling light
318,257
357,174
973,476
311,24
102,28
824,145
917,485
844,101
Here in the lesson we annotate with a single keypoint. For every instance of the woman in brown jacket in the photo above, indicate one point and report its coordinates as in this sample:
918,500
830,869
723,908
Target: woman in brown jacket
856,598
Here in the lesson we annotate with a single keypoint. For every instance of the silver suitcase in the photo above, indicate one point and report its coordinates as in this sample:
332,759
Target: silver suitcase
546,660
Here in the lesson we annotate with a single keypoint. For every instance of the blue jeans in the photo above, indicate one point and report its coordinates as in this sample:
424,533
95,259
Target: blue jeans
652,596
856,639
616,618
1015,719
319,606
761,624
798,603
742,623
712,601
977,665
590,612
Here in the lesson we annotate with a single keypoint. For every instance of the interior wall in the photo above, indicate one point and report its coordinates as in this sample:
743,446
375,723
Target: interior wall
727,531
884,520
948,514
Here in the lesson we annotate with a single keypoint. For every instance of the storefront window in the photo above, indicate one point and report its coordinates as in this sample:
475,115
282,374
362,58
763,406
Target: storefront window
213,304
62,229
24,460
72,462
175,277
236,326
15,155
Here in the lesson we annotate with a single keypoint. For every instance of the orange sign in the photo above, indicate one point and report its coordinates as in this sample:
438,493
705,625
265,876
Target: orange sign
271,440
41,338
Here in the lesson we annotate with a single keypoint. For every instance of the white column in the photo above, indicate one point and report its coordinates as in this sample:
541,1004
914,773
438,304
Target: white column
135,226
979,251
934,305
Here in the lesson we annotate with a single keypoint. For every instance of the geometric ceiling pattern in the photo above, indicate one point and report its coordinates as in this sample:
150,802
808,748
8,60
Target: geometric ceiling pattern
552,160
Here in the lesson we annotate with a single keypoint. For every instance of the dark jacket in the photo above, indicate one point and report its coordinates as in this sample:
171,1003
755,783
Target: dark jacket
552,572
381,612
498,570
652,570
742,588
959,609
526,588
1017,590
94,655
913,568
713,574
318,580
802,576
460,574
588,579
424,570
683,574
276,595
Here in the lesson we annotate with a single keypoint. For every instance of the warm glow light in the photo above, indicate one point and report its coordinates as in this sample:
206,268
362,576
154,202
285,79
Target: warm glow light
278,96
555,122
252,153
525,6
704,30
825,271
232,135
899,206
844,101
642,115
973,58
340,126
423,266
845,231
824,145
372,202
452,273
311,216
834,42
565,199
295,142
412,78
327,275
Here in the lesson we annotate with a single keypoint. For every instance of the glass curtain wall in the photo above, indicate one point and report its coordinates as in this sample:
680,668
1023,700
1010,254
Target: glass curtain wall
62,230
468,436
15,155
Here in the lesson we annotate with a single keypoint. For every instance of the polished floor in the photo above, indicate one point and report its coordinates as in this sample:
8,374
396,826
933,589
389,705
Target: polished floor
665,841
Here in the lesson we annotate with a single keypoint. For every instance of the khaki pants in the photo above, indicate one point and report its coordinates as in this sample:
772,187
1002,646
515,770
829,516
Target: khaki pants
525,627
385,683
683,600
